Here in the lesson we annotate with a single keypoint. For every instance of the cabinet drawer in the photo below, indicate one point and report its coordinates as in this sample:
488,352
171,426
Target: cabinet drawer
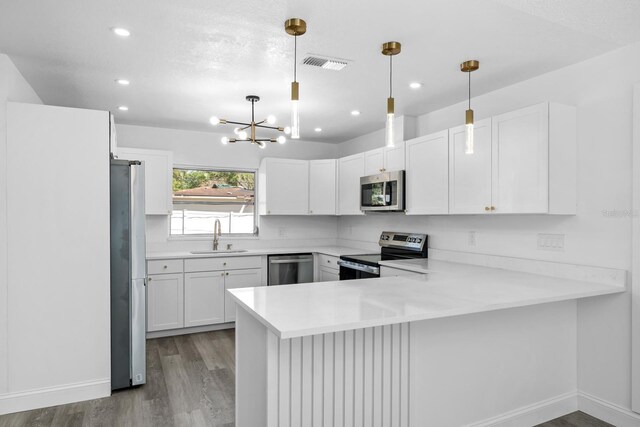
164,266
328,261
230,263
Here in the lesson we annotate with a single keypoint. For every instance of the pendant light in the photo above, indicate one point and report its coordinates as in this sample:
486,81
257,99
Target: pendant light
295,27
390,49
469,67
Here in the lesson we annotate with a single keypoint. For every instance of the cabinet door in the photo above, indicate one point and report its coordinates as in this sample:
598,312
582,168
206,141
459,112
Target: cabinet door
374,161
394,157
521,161
470,174
328,274
158,176
350,170
239,279
287,187
203,298
165,302
322,187
427,174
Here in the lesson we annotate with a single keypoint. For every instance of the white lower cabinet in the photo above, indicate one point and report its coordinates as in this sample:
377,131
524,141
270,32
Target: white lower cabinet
203,298
326,274
238,279
165,302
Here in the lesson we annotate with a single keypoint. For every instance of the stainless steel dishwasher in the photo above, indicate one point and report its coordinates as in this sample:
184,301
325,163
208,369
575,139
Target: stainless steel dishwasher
290,269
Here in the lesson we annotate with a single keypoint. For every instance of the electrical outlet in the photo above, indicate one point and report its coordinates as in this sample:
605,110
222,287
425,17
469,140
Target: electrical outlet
551,242
282,232
471,238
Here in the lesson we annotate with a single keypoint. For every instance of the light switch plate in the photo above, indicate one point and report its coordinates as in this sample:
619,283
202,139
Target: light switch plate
551,242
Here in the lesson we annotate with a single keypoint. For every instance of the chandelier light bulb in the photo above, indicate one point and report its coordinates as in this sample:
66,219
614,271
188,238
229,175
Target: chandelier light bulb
122,32
281,139
287,130
242,134
224,140
214,121
262,145
236,130
271,119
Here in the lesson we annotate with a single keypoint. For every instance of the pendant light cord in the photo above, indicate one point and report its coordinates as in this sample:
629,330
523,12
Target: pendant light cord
295,56
390,76
469,72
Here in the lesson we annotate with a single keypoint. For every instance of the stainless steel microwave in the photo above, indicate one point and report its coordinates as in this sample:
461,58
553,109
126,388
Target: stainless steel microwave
383,192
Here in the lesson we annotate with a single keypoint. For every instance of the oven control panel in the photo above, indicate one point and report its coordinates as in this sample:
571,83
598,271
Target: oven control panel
403,240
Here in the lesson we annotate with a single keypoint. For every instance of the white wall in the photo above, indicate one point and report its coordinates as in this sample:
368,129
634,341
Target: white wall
13,87
204,149
601,89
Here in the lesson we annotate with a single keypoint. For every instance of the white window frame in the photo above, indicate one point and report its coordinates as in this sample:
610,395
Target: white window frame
208,236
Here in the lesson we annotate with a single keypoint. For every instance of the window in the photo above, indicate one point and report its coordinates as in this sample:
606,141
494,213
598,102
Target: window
200,196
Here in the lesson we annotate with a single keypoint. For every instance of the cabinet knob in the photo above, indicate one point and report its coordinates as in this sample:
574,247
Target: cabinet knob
329,261
222,274
227,274
310,211
165,267
493,208
224,263
268,212
486,208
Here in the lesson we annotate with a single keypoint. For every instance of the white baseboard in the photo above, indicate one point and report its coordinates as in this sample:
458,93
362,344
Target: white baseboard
191,330
537,413
606,411
45,397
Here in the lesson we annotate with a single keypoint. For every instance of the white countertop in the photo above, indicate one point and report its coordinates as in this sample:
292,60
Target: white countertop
327,250
449,289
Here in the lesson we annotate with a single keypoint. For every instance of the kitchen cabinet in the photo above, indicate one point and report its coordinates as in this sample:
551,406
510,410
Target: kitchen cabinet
350,170
322,187
524,162
470,174
283,187
165,303
328,268
427,174
238,279
384,159
204,298
326,274
158,176
534,160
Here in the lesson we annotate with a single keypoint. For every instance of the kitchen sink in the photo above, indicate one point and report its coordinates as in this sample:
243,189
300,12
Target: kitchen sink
221,251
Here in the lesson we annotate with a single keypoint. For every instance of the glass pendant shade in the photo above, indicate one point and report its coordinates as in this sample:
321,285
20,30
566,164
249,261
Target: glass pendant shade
295,113
468,130
389,134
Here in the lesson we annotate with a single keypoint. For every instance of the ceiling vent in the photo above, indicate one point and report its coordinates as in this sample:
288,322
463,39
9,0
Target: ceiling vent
325,62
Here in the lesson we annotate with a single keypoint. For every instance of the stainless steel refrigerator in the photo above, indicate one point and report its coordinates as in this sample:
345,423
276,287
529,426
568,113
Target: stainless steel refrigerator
128,274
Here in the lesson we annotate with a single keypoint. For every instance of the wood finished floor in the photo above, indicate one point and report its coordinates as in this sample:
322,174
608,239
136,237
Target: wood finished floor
190,382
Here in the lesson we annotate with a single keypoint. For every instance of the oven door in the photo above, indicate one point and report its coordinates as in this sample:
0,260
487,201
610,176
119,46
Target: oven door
352,271
383,192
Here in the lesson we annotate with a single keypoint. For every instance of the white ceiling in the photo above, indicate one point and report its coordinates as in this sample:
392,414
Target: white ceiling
190,59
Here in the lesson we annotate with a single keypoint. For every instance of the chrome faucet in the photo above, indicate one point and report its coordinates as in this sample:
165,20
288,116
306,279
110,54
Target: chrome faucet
217,231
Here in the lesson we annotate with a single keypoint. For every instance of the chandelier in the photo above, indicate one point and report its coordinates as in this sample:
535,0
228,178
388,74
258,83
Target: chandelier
246,132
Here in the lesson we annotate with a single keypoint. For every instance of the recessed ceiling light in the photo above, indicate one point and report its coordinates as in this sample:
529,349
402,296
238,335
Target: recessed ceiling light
123,82
355,113
123,108
318,129
415,85
122,32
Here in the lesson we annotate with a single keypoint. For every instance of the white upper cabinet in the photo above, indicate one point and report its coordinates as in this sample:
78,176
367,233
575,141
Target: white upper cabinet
534,160
394,157
384,159
158,175
427,174
470,174
283,187
374,161
322,187
350,170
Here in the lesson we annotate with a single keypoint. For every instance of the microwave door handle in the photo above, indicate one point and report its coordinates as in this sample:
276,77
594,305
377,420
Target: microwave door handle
384,193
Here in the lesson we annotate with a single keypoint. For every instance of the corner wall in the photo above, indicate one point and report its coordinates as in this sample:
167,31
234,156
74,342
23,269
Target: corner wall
13,87
600,233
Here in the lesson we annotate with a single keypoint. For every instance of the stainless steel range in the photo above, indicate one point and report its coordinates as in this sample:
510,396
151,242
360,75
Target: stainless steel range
394,245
